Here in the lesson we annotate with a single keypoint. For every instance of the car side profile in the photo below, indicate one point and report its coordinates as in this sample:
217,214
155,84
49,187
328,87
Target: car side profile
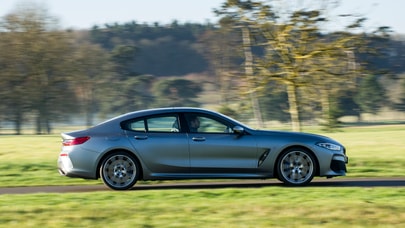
193,143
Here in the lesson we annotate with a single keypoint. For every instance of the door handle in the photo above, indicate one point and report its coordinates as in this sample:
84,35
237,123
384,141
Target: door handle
198,139
141,137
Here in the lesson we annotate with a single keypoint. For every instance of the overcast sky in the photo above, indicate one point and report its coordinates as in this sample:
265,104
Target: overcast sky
80,14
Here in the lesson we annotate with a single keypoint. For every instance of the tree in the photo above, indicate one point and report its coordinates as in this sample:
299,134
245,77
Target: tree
401,104
333,73
218,47
128,95
371,95
273,103
123,57
287,48
297,54
241,16
92,74
307,62
35,57
176,92
14,80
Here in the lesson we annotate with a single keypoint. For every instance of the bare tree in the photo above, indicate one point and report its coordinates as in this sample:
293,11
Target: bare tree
92,73
241,16
297,52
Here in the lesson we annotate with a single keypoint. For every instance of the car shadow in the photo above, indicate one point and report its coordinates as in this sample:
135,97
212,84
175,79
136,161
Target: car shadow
361,183
173,185
399,182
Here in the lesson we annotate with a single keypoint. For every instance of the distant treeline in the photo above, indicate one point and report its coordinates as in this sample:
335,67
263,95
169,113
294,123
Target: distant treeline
169,50
177,49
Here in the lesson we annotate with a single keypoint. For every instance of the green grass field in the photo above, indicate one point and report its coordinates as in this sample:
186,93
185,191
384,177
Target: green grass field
234,207
375,151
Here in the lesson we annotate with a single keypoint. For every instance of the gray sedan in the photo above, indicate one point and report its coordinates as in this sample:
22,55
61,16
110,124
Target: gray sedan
192,143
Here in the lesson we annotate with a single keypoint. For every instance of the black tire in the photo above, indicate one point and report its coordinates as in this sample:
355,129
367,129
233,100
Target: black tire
296,167
119,171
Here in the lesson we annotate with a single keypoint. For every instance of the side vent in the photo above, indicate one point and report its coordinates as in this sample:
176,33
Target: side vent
263,157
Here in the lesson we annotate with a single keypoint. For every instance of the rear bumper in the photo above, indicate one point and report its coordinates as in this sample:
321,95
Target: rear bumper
64,165
66,168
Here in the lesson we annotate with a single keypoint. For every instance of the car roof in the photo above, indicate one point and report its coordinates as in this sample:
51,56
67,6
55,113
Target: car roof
166,110
153,111
114,124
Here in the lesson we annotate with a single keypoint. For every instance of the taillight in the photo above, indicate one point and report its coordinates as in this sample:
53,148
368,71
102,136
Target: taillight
75,141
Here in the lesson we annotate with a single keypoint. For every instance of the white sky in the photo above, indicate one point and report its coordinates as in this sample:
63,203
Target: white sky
80,14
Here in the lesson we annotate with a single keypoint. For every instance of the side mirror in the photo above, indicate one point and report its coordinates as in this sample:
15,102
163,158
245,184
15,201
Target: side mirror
238,130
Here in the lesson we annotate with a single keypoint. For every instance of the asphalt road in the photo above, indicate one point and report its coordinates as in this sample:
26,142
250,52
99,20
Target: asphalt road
317,182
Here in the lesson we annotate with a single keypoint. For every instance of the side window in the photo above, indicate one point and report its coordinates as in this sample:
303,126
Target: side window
209,125
163,124
206,124
155,124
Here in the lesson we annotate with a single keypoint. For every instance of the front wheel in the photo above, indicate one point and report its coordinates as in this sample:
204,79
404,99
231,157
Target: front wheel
119,171
296,167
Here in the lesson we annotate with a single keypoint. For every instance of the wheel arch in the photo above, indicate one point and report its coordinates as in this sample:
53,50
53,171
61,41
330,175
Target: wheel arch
115,151
317,171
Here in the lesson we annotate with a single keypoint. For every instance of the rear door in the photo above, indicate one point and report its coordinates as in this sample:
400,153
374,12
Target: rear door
160,143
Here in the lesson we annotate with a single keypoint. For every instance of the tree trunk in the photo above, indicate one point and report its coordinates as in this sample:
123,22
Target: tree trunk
325,105
48,126
89,118
17,118
293,103
38,125
43,123
250,76
17,124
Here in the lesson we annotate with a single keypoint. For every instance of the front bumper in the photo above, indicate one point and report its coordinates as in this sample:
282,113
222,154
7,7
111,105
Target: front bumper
338,165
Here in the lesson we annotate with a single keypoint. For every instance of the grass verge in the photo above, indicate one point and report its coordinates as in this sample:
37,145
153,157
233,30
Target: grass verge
234,207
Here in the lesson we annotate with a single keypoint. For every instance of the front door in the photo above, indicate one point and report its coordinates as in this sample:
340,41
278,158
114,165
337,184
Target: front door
214,148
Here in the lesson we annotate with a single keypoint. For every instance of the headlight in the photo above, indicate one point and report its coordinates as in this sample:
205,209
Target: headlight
329,146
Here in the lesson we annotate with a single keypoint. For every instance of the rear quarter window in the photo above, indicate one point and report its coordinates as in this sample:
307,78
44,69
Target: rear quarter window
153,124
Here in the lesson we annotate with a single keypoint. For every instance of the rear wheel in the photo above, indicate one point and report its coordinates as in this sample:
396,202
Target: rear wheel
296,167
119,171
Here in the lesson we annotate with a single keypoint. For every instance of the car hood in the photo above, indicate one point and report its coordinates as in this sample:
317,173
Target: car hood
296,135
